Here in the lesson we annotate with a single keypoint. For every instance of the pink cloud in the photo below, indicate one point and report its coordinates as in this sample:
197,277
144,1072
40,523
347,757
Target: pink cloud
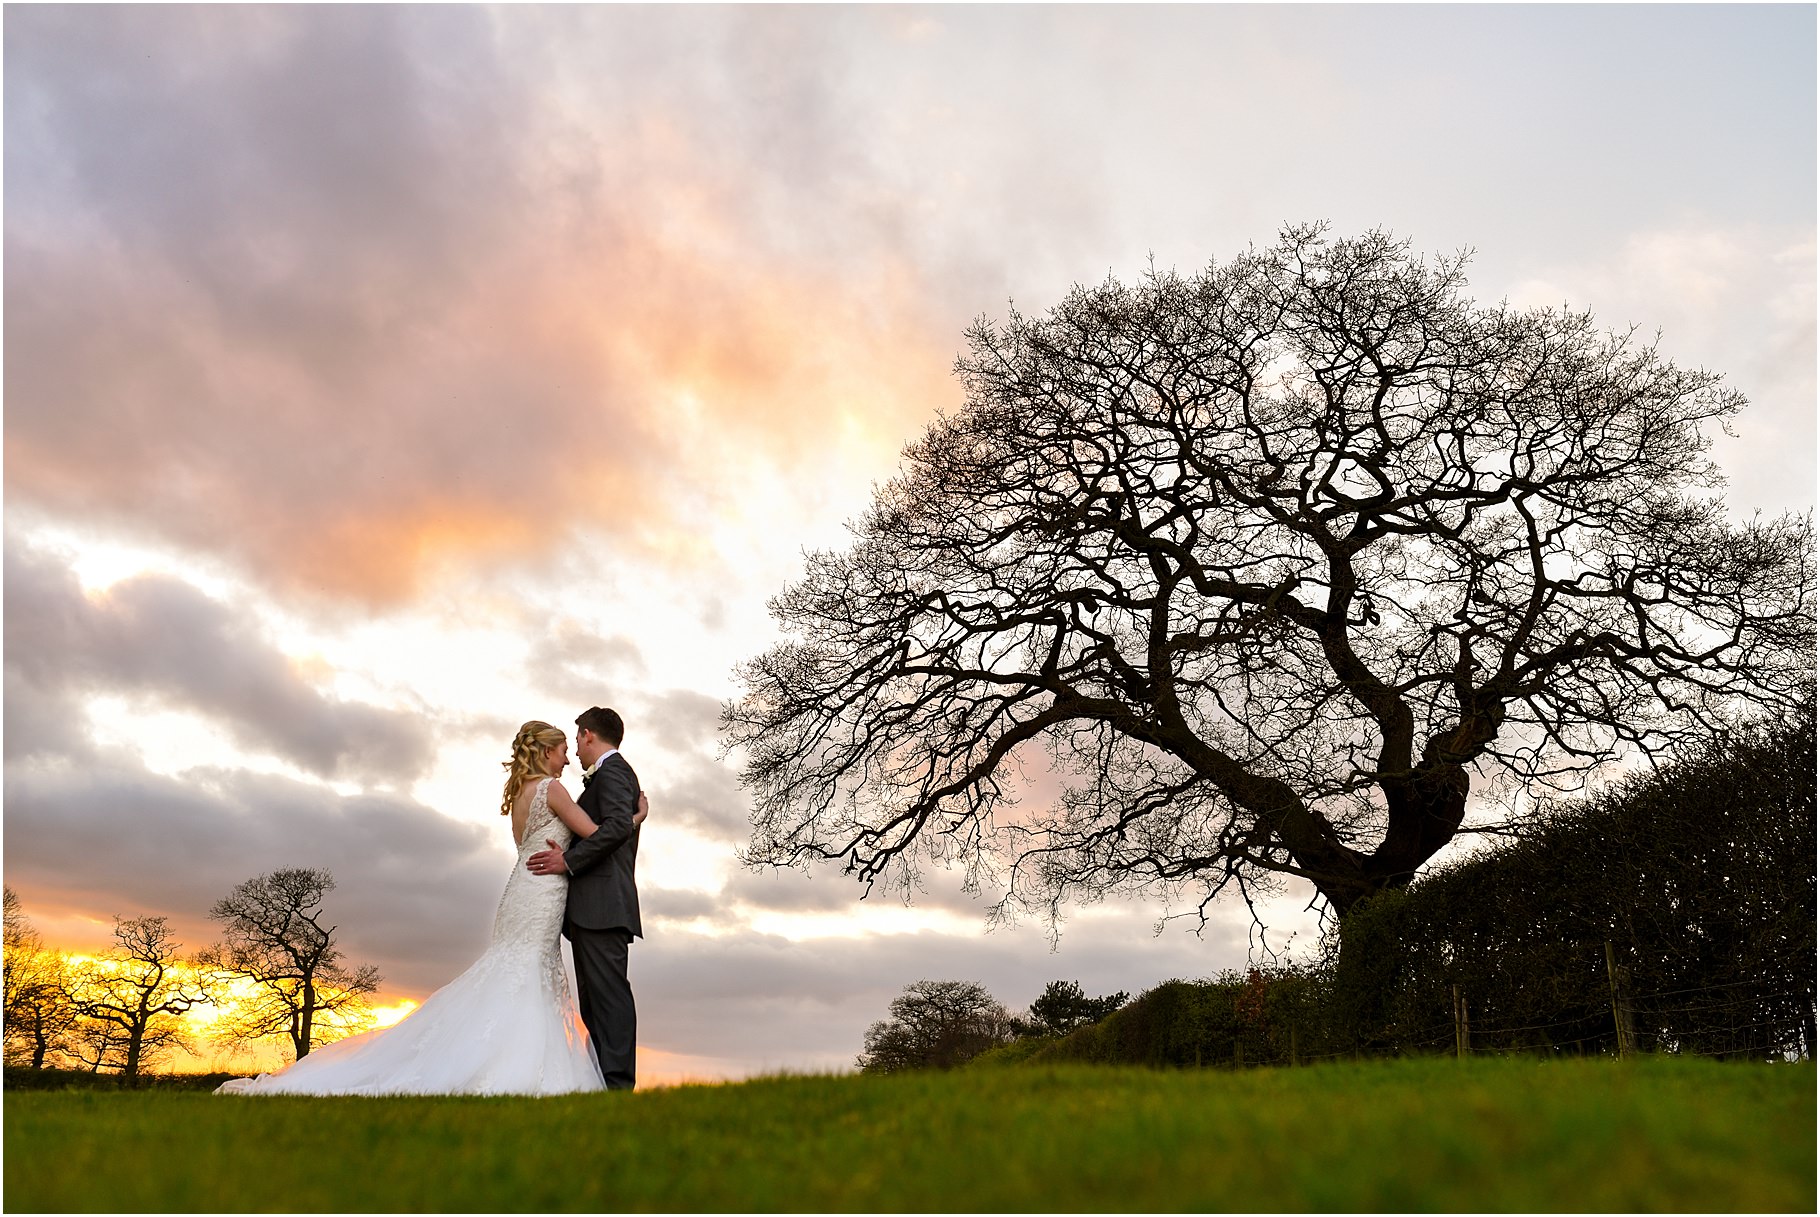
465,336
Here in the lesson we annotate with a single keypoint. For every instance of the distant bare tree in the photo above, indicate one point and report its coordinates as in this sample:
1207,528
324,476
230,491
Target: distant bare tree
19,929
1275,562
39,1012
132,999
274,938
936,1024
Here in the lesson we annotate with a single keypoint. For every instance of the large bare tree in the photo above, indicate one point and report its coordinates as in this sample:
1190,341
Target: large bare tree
274,941
1276,561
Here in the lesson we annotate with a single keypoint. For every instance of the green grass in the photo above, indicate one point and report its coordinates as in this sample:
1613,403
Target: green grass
1430,1134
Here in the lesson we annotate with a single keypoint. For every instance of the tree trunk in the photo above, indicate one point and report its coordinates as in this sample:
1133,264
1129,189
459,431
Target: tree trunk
1424,816
1425,812
306,1018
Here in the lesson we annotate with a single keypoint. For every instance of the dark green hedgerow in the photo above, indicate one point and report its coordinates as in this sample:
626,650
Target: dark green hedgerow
1268,1017
1700,876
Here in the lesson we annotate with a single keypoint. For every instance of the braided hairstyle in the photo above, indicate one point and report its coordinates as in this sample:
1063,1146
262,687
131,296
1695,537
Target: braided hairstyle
528,746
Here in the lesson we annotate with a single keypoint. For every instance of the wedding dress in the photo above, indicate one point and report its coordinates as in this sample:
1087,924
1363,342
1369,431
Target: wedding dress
507,1025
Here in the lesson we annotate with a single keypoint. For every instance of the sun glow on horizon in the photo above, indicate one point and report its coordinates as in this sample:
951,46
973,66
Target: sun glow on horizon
203,1053
392,1015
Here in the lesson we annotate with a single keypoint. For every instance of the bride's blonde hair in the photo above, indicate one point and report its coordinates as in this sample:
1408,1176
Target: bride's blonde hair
528,746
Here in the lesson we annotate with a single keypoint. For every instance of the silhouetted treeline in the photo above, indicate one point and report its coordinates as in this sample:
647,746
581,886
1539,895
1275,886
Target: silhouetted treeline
1673,912
939,1024
24,1077
276,974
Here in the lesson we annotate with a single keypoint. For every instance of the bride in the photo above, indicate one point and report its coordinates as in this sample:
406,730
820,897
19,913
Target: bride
507,1025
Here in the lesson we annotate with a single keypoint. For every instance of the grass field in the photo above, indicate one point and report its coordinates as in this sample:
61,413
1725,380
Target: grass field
1435,1134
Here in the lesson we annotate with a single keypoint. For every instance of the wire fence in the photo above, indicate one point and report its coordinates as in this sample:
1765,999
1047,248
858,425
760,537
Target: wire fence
1292,1018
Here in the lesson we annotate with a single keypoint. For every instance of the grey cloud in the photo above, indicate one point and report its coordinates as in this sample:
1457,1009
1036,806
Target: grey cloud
787,890
160,636
571,662
701,795
316,271
490,728
40,720
415,890
678,904
683,719
747,1001
699,791
262,148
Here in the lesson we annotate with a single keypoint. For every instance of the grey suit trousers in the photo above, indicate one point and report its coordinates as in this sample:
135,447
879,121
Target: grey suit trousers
606,1001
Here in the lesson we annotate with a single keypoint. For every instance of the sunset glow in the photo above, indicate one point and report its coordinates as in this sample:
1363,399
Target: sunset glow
386,1016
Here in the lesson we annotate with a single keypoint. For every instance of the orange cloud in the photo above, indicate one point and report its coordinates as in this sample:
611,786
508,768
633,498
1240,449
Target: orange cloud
626,383
348,386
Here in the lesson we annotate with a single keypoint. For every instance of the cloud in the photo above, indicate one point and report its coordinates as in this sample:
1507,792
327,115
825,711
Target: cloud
1733,299
347,298
415,890
824,890
159,636
569,661
699,791
678,904
356,295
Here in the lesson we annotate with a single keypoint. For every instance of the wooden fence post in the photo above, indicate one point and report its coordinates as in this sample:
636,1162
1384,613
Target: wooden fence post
1292,1047
1620,1009
1462,1032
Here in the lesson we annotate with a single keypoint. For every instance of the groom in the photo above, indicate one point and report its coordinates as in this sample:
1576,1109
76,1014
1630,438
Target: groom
602,916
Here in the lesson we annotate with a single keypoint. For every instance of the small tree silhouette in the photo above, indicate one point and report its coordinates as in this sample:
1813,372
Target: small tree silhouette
1063,1006
273,937
935,1024
132,999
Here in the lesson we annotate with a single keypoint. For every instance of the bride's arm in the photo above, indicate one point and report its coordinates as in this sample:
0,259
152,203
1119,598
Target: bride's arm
573,818
576,820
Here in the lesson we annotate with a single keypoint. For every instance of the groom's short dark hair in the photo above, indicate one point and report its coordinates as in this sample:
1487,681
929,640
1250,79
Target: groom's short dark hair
602,722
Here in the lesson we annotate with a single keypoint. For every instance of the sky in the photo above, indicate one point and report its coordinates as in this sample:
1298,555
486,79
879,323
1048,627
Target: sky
378,378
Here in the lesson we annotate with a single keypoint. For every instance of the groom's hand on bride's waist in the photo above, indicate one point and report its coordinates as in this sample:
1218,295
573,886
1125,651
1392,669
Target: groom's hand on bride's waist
547,861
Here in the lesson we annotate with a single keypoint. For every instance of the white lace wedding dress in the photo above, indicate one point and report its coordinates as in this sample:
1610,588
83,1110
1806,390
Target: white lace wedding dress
508,1025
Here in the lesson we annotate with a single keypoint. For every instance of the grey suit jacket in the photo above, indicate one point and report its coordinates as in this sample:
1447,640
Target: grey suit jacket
603,887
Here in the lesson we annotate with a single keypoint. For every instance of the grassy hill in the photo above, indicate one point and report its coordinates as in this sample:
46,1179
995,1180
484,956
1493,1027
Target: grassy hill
1222,1021
1491,1134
